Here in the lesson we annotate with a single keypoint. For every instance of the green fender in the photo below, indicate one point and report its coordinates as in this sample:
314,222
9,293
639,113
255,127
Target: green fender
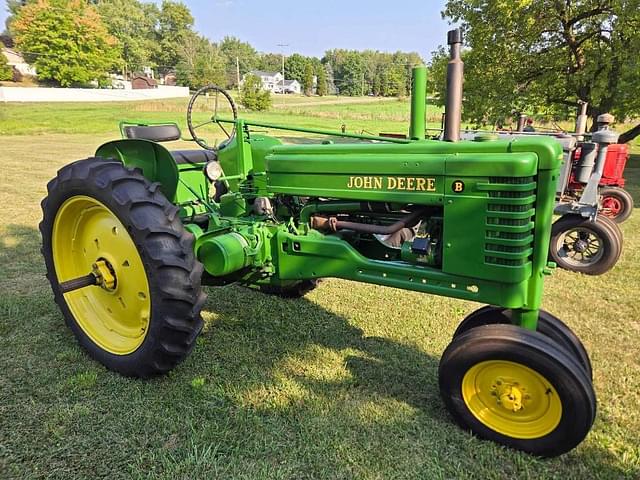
153,159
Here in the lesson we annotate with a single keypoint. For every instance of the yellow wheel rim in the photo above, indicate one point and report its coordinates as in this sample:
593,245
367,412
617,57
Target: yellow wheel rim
114,316
511,399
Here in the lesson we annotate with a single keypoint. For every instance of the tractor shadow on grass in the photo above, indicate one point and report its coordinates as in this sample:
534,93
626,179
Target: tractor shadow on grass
255,337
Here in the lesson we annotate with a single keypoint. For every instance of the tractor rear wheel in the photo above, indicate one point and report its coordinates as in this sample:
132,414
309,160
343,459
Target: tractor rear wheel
517,388
548,325
617,203
581,245
139,311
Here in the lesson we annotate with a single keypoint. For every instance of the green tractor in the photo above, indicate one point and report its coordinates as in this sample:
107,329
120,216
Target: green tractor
132,234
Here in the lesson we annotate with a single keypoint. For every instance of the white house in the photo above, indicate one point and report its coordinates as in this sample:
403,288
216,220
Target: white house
14,59
290,86
275,82
271,81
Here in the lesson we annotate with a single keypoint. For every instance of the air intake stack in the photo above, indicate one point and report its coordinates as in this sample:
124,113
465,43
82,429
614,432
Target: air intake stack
455,73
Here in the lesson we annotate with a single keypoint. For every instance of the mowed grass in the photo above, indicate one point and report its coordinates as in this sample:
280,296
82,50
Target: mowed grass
341,384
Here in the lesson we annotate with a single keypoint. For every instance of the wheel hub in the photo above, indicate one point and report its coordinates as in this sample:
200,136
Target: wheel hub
509,396
105,274
581,245
611,206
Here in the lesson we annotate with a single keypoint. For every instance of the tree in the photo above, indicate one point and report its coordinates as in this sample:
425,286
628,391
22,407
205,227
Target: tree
253,96
307,80
351,74
133,23
323,84
65,40
175,24
294,67
369,71
545,56
201,62
247,56
6,72
270,62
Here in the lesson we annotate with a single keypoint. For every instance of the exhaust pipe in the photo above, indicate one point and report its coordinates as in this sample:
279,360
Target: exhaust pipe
455,72
581,120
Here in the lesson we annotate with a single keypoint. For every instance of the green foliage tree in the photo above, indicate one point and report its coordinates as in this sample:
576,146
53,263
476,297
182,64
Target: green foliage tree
6,72
323,84
232,48
253,96
175,25
65,40
133,23
294,67
368,71
307,80
545,56
201,62
269,62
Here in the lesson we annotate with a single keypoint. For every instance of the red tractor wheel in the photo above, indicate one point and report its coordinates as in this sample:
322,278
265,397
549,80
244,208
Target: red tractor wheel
617,203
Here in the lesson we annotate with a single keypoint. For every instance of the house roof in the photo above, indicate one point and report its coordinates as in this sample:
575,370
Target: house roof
149,81
13,57
288,83
262,73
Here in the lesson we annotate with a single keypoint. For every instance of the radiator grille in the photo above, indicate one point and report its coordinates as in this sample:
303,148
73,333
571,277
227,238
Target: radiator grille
510,220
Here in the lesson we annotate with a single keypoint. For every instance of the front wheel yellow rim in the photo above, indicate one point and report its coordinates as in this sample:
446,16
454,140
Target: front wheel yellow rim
512,399
114,316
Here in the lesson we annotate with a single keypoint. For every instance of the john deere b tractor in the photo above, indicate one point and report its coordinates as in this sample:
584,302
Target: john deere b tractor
132,234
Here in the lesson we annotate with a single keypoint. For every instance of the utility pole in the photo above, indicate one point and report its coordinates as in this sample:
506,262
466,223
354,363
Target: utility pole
238,73
282,45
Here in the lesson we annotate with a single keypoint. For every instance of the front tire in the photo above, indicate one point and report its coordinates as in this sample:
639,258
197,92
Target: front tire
581,245
147,319
517,388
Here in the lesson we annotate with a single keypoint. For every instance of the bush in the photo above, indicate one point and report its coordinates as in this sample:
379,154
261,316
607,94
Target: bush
6,72
253,96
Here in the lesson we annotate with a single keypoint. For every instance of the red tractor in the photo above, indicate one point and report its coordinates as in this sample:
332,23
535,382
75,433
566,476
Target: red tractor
615,202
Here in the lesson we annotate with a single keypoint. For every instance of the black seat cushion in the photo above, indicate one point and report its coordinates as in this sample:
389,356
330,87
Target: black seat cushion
194,157
155,133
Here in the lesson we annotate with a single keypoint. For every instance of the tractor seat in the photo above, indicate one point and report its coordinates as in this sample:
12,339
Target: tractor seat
193,157
166,132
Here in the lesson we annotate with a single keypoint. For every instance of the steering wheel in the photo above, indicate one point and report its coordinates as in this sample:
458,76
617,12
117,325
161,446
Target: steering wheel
201,101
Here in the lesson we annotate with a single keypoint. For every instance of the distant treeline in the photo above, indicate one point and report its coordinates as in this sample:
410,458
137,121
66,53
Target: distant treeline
85,41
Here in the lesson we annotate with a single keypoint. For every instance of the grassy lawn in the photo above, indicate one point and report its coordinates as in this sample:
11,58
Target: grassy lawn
341,384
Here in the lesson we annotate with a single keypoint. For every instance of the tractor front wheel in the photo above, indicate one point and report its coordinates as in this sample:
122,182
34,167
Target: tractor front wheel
617,203
517,388
122,267
581,245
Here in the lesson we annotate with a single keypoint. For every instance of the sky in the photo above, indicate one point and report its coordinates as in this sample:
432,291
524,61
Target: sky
311,27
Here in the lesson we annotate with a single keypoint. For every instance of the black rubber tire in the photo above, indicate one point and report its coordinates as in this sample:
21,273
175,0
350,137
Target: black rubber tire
614,227
296,290
604,228
548,325
623,197
166,250
537,352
